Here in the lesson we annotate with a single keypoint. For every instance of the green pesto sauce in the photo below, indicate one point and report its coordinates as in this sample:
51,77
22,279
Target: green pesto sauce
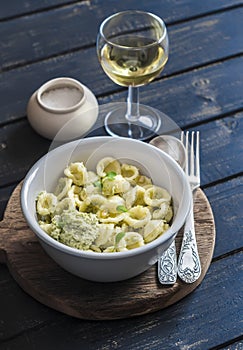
76,229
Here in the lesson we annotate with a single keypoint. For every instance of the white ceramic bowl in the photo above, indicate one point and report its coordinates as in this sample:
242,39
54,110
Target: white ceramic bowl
107,267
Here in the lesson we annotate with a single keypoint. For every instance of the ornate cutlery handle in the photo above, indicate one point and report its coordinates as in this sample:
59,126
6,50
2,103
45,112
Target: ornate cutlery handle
167,266
189,266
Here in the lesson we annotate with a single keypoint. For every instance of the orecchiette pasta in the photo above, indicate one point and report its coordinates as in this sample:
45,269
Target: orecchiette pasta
156,195
112,204
106,165
129,172
113,210
46,203
152,230
114,218
106,235
142,180
64,205
63,186
74,195
77,172
162,211
115,185
138,216
135,196
130,240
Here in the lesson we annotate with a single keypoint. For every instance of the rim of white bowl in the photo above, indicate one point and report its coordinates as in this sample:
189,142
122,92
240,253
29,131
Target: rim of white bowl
42,235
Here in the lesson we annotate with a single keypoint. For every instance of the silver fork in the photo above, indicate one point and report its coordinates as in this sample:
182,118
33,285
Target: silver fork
189,266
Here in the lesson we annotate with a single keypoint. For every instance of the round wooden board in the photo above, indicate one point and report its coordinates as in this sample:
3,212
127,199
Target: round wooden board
44,280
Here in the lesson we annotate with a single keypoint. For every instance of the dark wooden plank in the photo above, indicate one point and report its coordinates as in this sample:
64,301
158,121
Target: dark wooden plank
17,85
221,137
188,324
206,37
18,8
187,98
195,96
18,155
226,200
238,345
4,197
38,35
181,9
211,315
20,312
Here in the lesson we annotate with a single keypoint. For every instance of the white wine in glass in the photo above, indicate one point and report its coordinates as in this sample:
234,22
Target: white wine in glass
132,47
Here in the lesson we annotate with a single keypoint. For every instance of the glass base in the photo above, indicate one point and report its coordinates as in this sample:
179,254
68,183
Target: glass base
144,128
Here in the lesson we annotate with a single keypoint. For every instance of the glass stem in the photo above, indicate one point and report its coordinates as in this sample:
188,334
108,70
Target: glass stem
132,114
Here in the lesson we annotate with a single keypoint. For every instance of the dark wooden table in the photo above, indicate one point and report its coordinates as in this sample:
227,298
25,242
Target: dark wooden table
200,89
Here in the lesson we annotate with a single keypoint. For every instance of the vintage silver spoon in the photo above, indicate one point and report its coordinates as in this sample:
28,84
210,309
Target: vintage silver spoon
167,263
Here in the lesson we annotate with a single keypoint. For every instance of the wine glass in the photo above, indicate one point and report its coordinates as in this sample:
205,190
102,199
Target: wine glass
132,48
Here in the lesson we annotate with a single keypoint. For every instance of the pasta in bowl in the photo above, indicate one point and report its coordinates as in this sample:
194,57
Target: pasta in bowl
102,209
114,209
